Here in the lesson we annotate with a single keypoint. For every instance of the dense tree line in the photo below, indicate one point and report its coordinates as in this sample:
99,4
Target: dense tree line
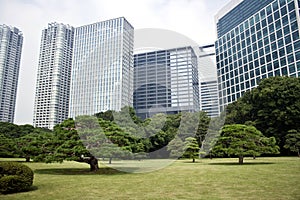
105,135
273,108
256,123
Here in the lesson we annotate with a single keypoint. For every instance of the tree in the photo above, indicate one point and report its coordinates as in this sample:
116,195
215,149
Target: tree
7,147
239,112
191,148
62,144
273,107
10,130
33,145
105,139
176,147
292,141
241,140
202,129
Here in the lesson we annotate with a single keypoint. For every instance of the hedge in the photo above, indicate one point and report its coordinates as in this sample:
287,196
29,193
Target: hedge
15,177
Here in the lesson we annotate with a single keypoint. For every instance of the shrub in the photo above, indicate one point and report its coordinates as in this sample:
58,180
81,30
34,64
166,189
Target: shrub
15,177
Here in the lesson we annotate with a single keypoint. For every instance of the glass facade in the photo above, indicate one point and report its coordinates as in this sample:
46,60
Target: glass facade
166,81
102,71
262,42
11,41
209,99
208,87
53,79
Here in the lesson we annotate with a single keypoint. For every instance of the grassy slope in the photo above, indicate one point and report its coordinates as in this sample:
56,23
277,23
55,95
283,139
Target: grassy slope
265,178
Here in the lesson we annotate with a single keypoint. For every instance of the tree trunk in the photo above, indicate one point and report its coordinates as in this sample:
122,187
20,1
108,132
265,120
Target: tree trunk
93,164
110,159
193,159
298,153
27,157
241,160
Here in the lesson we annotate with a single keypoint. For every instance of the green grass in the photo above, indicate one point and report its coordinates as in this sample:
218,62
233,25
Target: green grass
263,178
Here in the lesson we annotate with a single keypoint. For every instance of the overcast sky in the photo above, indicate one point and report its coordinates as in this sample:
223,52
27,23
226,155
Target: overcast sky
192,18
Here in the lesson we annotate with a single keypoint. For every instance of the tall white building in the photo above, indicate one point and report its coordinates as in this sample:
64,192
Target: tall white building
102,71
11,41
54,74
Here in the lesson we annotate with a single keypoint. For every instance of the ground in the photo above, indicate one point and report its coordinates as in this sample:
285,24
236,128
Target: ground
262,178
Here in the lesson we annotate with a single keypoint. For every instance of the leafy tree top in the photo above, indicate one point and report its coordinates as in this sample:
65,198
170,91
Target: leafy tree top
242,140
273,107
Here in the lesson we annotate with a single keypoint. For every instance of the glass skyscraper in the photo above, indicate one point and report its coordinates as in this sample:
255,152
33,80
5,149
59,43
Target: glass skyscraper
208,87
256,40
11,41
166,81
209,99
53,79
102,71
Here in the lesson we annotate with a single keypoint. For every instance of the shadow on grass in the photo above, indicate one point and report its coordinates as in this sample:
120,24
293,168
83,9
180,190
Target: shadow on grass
245,163
191,162
32,188
79,171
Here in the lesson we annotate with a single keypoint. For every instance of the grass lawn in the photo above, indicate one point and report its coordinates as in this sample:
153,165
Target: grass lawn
262,178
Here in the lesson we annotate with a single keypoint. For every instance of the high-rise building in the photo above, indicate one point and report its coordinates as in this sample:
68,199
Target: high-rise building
53,79
166,81
209,99
102,71
256,40
208,87
11,41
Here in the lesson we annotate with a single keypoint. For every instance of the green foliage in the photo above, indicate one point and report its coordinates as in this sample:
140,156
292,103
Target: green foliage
66,143
7,147
15,177
106,139
202,128
108,115
107,134
176,148
241,140
273,107
16,141
191,148
292,141
10,130
36,145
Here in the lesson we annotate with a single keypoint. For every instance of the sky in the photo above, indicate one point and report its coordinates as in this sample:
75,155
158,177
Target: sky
192,18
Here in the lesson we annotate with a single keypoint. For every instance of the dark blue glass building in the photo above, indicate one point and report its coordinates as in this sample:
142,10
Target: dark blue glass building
166,81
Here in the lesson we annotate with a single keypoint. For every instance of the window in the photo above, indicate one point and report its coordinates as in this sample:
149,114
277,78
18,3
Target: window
295,35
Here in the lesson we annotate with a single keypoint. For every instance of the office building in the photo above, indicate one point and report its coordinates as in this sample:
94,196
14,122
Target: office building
208,87
11,41
166,81
54,73
209,98
102,73
256,40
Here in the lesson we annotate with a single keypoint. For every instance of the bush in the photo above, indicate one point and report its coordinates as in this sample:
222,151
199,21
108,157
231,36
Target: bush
15,177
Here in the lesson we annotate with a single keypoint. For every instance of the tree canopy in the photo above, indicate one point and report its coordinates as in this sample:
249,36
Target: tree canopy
273,107
191,148
292,141
108,135
242,140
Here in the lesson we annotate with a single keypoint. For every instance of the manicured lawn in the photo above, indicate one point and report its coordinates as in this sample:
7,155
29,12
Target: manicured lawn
263,178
